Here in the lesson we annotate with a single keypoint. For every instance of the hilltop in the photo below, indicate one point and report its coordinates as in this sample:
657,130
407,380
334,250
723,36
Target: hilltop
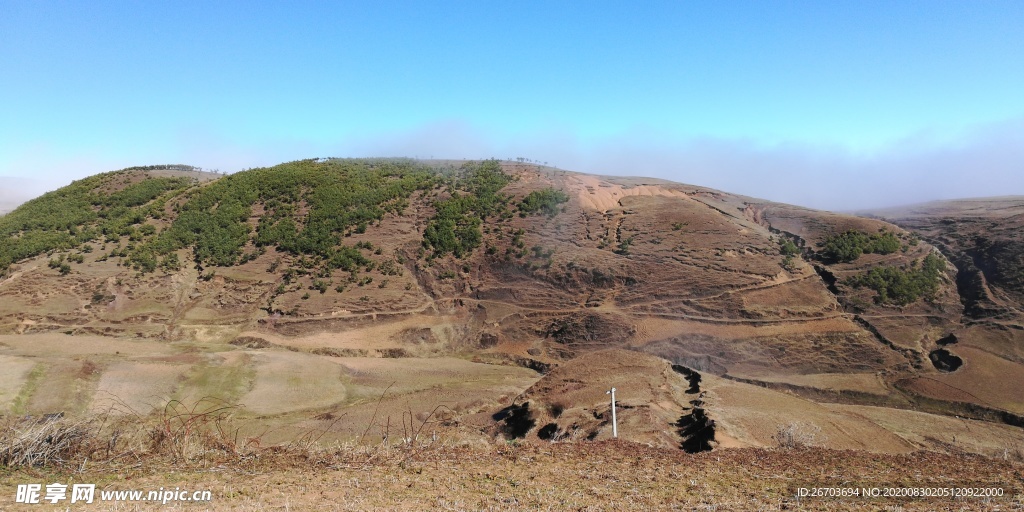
499,299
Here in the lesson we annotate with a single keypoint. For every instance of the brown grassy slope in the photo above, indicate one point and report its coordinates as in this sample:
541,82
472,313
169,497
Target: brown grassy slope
590,476
697,260
571,401
650,398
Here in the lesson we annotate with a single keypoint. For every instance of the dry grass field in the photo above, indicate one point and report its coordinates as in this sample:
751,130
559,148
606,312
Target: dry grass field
288,381
601,475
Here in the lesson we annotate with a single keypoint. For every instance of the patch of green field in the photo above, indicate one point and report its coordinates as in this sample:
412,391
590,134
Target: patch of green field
20,404
13,374
221,379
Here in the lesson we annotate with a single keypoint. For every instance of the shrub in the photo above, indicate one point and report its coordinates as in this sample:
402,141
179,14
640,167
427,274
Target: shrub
844,248
848,246
341,195
143,260
624,246
29,442
390,268
545,201
320,285
894,285
885,243
798,435
789,263
788,248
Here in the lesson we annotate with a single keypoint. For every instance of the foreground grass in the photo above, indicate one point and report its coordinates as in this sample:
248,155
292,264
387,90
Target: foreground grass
438,475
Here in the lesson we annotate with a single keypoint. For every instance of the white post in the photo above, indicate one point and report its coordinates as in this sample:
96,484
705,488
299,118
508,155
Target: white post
615,422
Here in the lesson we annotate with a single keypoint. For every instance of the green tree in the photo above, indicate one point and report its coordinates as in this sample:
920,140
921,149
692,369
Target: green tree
788,248
902,286
844,247
546,201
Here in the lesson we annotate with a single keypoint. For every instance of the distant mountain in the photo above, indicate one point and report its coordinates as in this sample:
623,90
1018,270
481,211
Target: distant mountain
533,266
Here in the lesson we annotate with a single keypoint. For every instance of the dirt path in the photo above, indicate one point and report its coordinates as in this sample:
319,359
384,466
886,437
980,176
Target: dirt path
759,286
184,283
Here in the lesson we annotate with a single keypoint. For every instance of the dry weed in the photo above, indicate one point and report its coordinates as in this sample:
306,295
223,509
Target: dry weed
45,441
798,435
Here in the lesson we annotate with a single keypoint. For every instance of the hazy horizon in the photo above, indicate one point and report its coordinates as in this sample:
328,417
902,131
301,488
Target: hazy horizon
825,105
17,190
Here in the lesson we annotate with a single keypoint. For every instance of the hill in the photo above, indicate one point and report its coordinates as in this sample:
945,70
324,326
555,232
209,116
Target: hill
491,292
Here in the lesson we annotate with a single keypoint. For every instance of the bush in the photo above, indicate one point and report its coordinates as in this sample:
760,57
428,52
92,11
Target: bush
788,248
844,248
390,268
798,435
894,285
545,201
29,442
320,285
848,246
144,260
789,263
624,246
885,243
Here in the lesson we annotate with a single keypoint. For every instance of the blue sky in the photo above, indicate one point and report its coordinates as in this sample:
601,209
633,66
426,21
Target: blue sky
828,104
